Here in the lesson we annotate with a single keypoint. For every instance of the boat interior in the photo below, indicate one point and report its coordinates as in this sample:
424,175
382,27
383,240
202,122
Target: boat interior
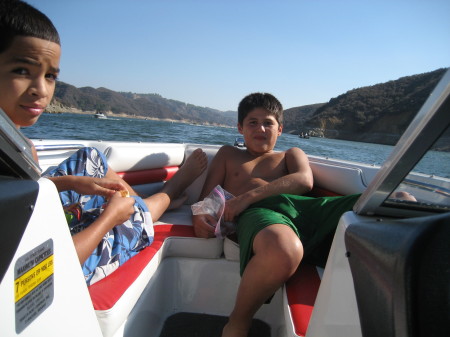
386,272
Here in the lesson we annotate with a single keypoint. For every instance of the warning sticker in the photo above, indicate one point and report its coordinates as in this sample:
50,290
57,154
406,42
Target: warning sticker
33,284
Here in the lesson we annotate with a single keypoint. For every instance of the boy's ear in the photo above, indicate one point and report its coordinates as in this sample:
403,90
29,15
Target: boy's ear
241,131
280,129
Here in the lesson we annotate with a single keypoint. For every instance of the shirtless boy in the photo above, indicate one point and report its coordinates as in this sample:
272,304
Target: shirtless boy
29,66
268,208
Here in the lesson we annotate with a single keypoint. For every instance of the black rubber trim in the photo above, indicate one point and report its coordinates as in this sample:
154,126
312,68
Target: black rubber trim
17,200
401,273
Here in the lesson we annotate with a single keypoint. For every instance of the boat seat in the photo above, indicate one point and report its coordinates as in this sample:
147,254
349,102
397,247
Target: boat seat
301,289
114,297
321,192
300,294
126,157
342,179
148,175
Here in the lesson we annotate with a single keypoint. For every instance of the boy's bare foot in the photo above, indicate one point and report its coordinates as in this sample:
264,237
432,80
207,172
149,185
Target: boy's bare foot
402,195
191,169
175,203
196,163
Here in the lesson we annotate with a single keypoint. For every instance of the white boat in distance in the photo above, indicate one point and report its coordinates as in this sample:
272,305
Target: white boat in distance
100,115
387,274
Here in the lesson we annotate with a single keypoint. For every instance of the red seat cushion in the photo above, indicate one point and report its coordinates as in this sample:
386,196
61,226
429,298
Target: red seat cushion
148,176
106,292
301,290
303,286
321,192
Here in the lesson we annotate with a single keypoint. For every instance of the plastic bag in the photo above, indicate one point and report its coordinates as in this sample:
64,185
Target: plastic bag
214,204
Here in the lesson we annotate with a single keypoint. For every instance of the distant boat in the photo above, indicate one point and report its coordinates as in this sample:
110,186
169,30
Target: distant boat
304,135
239,142
100,115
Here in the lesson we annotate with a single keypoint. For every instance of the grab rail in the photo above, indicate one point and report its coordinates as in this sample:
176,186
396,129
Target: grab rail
53,147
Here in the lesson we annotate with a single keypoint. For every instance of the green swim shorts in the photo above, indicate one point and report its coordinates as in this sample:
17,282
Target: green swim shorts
314,220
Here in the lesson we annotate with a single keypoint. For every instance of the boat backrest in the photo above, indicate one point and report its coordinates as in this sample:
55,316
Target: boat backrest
123,157
335,178
146,173
146,166
340,179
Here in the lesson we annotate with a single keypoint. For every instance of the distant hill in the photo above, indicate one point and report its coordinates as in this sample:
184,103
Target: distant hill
69,98
296,119
376,114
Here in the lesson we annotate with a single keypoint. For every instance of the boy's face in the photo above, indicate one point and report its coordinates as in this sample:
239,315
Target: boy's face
260,130
28,72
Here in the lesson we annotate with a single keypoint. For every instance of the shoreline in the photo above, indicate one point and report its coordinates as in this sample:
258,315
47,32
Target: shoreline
440,147
110,114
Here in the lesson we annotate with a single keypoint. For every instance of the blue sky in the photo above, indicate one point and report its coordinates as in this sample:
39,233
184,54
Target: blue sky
212,53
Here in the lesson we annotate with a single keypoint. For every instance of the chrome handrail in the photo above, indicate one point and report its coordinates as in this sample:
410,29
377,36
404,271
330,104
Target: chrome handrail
53,147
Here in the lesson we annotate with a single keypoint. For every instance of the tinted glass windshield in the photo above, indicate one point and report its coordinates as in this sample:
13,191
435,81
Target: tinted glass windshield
427,187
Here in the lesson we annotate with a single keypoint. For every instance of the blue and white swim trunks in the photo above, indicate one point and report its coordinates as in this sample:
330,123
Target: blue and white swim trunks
120,243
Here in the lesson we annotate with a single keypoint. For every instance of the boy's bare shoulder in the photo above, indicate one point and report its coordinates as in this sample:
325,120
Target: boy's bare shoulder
227,151
295,151
296,155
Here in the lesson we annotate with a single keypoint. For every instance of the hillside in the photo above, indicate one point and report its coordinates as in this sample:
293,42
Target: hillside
70,98
296,119
376,114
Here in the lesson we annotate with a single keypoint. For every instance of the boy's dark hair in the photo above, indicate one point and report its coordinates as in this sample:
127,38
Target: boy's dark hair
260,100
18,18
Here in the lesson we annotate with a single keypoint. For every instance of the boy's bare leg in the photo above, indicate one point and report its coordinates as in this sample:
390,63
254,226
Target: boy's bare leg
278,252
192,168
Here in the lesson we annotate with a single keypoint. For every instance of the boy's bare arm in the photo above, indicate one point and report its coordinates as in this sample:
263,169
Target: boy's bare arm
299,180
117,211
88,185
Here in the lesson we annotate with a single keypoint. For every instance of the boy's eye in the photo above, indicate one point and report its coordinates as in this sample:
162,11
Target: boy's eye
21,71
52,77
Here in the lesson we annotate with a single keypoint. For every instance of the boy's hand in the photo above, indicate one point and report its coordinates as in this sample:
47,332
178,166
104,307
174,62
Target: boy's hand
204,225
118,209
97,186
234,207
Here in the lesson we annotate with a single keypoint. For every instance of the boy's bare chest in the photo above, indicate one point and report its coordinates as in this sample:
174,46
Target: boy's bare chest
267,168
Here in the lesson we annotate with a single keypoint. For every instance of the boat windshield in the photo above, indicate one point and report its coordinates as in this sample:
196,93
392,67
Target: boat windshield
401,187
16,156
423,191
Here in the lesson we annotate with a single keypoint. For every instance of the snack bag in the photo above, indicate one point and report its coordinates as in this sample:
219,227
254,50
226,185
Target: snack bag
73,213
214,204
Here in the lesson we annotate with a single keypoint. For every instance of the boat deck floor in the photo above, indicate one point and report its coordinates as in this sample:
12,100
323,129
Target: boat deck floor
185,324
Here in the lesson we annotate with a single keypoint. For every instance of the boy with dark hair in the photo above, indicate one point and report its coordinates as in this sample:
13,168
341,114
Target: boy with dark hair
276,226
104,236
266,101
36,25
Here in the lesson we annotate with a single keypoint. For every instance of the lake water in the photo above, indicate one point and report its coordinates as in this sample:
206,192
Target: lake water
79,126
